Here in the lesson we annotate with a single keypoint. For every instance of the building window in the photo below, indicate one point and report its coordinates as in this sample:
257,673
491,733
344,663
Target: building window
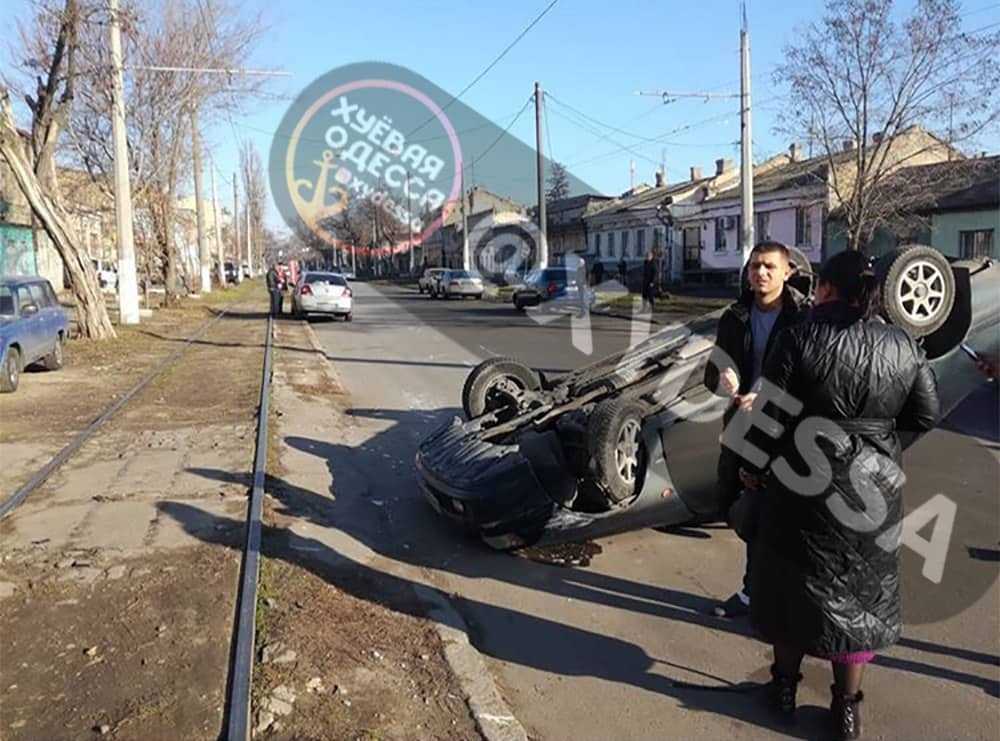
625,244
973,245
611,244
720,235
640,242
692,248
803,227
597,244
763,227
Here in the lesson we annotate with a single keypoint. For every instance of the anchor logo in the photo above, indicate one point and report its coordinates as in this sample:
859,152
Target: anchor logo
310,198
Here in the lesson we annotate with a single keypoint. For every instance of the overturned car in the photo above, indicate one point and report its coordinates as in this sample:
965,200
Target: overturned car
631,441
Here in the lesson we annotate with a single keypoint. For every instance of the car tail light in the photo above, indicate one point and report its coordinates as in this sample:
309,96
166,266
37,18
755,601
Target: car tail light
348,292
454,283
305,291
553,287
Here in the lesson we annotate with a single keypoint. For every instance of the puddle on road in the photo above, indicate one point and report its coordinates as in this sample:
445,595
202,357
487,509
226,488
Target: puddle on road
567,554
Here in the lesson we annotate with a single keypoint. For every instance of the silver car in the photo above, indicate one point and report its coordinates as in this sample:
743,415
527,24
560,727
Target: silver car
458,283
323,293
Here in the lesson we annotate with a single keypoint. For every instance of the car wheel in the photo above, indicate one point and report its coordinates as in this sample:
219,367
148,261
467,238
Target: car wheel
518,306
616,448
917,287
349,317
10,374
55,359
496,384
421,289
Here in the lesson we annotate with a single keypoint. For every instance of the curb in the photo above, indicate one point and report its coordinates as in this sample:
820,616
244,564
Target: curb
494,719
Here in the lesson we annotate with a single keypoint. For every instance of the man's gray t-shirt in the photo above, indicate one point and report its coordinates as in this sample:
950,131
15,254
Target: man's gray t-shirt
761,324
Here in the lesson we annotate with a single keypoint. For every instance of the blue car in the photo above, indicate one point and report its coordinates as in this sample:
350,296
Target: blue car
33,328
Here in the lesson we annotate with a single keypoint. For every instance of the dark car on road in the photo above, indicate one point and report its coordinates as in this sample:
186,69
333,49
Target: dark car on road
33,328
552,287
631,441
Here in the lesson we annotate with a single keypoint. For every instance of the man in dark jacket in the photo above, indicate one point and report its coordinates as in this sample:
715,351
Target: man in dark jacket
648,282
745,334
274,289
623,271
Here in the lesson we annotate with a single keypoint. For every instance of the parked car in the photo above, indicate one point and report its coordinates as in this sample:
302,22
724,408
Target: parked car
107,274
631,441
229,269
33,328
554,287
323,293
458,284
429,279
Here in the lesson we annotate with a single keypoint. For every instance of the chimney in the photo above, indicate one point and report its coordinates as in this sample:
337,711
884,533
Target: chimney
659,179
795,152
696,173
849,145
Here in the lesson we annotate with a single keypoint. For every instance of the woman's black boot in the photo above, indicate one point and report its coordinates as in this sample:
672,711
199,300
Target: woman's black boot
781,694
846,712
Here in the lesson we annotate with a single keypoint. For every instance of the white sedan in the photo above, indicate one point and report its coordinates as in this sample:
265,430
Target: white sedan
323,293
459,283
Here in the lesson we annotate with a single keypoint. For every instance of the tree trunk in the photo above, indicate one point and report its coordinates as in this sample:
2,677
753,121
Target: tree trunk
92,314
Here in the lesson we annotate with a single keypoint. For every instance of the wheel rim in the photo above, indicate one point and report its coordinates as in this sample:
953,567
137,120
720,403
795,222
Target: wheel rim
59,352
627,451
921,291
12,371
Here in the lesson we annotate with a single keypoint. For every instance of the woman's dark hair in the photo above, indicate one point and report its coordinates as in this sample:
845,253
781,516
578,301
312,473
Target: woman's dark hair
851,275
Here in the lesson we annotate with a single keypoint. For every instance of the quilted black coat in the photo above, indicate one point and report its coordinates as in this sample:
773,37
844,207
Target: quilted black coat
825,574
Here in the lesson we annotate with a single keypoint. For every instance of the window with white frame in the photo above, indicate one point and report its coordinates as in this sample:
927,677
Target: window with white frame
803,227
597,244
763,227
640,243
625,252
611,244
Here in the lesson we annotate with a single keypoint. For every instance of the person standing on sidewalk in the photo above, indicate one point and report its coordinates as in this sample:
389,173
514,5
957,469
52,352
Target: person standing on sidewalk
623,272
825,580
274,289
744,336
648,282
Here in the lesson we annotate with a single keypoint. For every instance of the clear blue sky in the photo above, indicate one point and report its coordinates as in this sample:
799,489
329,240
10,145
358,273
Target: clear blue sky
591,55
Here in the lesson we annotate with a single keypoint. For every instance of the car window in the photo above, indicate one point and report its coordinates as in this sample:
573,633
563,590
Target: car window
328,278
38,295
534,276
460,274
53,300
23,298
6,301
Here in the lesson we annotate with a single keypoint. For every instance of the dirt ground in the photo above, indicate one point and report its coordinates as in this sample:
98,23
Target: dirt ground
118,576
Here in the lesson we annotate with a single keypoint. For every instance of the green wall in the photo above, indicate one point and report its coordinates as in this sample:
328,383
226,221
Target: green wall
946,226
17,250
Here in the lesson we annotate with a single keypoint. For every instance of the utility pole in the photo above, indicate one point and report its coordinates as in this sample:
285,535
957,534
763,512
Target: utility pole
128,288
218,231
543,247
237,250
409,221
203,255
746,145
465,229
249,239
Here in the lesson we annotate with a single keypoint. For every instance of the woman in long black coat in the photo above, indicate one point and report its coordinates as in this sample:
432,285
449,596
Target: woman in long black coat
826,574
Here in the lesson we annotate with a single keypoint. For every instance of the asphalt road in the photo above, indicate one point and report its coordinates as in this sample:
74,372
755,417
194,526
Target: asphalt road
625,646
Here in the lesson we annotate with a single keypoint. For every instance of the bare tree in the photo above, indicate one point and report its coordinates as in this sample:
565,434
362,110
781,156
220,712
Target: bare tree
50,49
862,77
254,196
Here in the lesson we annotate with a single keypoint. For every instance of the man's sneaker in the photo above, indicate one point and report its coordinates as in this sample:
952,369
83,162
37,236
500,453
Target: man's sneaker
733,607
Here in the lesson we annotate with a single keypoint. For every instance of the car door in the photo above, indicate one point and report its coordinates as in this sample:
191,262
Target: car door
48,319
30,330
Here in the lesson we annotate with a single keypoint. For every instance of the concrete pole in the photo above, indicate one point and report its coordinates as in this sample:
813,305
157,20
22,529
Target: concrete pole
409,221
543,248
249,240
465,229
237,248
204,258
128,285
218,231
746,146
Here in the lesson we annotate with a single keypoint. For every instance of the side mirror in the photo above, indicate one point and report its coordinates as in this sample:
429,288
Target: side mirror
29,309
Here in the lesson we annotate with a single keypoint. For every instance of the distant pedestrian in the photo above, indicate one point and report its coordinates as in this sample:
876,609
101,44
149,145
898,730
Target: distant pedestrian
648,282
579,267
274,289
623,271
598,272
